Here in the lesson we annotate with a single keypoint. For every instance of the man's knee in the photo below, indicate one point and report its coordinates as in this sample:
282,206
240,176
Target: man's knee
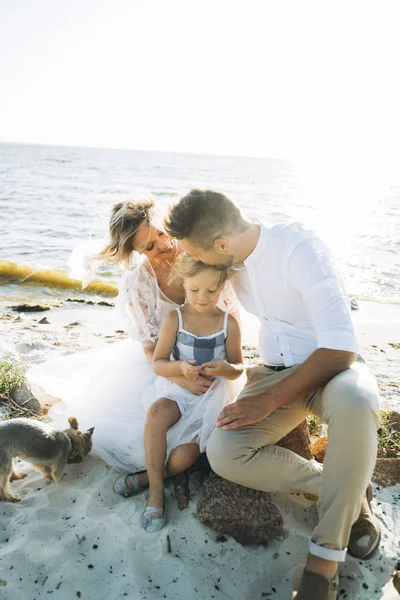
352,393
222,451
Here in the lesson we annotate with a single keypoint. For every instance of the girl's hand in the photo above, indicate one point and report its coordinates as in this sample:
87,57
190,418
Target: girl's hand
216,368
189,370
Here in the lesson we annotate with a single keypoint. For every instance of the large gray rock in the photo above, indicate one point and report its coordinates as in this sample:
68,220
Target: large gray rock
247,515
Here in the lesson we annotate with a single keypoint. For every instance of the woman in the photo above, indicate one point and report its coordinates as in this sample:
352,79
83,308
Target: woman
111,387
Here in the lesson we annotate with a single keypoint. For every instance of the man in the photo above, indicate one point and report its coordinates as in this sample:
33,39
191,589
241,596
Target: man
286,277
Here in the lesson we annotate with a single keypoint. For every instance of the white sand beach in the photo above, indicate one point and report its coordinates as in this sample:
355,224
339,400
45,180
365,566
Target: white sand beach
78,539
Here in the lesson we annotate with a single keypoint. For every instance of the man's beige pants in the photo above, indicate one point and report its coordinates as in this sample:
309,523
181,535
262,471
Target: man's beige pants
349,405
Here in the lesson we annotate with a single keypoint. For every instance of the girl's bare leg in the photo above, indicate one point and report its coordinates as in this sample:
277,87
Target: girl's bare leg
162,414
181,458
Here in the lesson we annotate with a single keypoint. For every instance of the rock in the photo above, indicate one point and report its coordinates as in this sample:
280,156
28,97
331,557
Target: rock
353,303
181,489
387,472
396,581
394,420
318,449
30,307
74,324
298,440
23,396
44,321
247,515
201,465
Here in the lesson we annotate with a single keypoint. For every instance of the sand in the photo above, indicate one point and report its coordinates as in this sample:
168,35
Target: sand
78,539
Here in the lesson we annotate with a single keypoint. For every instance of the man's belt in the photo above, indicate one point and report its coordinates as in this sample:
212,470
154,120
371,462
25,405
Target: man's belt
278,368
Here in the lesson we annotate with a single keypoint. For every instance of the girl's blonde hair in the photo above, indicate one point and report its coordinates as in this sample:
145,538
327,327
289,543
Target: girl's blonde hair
126,218
186,267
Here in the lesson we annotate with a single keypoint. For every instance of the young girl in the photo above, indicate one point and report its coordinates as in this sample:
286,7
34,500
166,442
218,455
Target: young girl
197,339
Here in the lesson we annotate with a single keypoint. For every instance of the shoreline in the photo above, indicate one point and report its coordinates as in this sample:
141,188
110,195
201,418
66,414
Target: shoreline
78,539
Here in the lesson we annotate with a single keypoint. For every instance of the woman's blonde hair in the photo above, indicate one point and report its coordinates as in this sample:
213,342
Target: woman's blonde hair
186,267
126,218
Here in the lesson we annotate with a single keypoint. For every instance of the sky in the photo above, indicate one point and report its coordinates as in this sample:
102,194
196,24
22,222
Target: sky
315,81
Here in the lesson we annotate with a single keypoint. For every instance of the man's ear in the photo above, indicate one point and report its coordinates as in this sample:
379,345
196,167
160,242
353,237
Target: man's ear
221,245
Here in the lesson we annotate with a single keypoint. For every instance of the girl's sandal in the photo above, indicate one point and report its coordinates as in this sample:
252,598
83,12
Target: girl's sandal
153,523
122,487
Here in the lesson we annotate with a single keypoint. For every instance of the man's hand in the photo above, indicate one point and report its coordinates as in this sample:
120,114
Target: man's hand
245,412
217,367
189,370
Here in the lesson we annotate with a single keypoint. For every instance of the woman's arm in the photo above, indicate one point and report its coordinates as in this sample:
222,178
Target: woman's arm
162,364
232,367
149,353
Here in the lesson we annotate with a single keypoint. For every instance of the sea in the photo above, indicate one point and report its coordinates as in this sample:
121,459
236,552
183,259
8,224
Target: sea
54,198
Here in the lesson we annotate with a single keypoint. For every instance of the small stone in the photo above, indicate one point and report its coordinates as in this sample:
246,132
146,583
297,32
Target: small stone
44,321
30,307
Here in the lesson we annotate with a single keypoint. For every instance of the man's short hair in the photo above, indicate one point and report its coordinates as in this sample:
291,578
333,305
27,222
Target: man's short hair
204,216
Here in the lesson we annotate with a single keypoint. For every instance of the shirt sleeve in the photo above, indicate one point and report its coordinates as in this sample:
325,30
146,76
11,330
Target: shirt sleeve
313,273
138,304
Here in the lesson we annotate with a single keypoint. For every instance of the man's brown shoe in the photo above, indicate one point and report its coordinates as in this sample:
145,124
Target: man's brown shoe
365,535
314,586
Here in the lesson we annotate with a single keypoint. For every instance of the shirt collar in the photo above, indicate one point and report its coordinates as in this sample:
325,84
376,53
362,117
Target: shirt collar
259,249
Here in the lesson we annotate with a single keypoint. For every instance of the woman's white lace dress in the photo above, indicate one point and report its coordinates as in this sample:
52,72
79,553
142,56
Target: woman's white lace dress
111,387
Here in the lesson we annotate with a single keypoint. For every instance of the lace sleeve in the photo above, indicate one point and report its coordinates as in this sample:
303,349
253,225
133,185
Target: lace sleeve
228,300
138,304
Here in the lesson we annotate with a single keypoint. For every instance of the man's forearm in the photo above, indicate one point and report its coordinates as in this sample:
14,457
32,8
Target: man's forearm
314,373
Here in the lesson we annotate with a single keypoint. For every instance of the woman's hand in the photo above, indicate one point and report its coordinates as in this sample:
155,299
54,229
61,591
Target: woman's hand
197,387
189,370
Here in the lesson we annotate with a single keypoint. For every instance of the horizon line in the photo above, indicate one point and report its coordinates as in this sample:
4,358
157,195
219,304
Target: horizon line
194,153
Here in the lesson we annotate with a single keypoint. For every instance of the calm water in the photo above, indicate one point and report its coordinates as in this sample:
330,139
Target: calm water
53,197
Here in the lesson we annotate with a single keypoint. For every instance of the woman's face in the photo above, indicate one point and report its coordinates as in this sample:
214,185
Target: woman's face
154,243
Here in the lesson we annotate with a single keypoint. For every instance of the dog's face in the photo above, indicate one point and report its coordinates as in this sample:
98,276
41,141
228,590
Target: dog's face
81,442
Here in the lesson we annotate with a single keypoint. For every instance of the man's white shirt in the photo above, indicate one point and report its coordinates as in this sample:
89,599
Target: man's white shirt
291,283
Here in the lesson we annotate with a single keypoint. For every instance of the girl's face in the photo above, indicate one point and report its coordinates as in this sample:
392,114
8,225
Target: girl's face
203,290
154,243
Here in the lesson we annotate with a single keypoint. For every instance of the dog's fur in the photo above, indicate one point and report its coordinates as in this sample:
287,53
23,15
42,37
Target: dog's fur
48,449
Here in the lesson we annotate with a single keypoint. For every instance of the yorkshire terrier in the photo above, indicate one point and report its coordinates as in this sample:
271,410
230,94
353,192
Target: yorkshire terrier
48,449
